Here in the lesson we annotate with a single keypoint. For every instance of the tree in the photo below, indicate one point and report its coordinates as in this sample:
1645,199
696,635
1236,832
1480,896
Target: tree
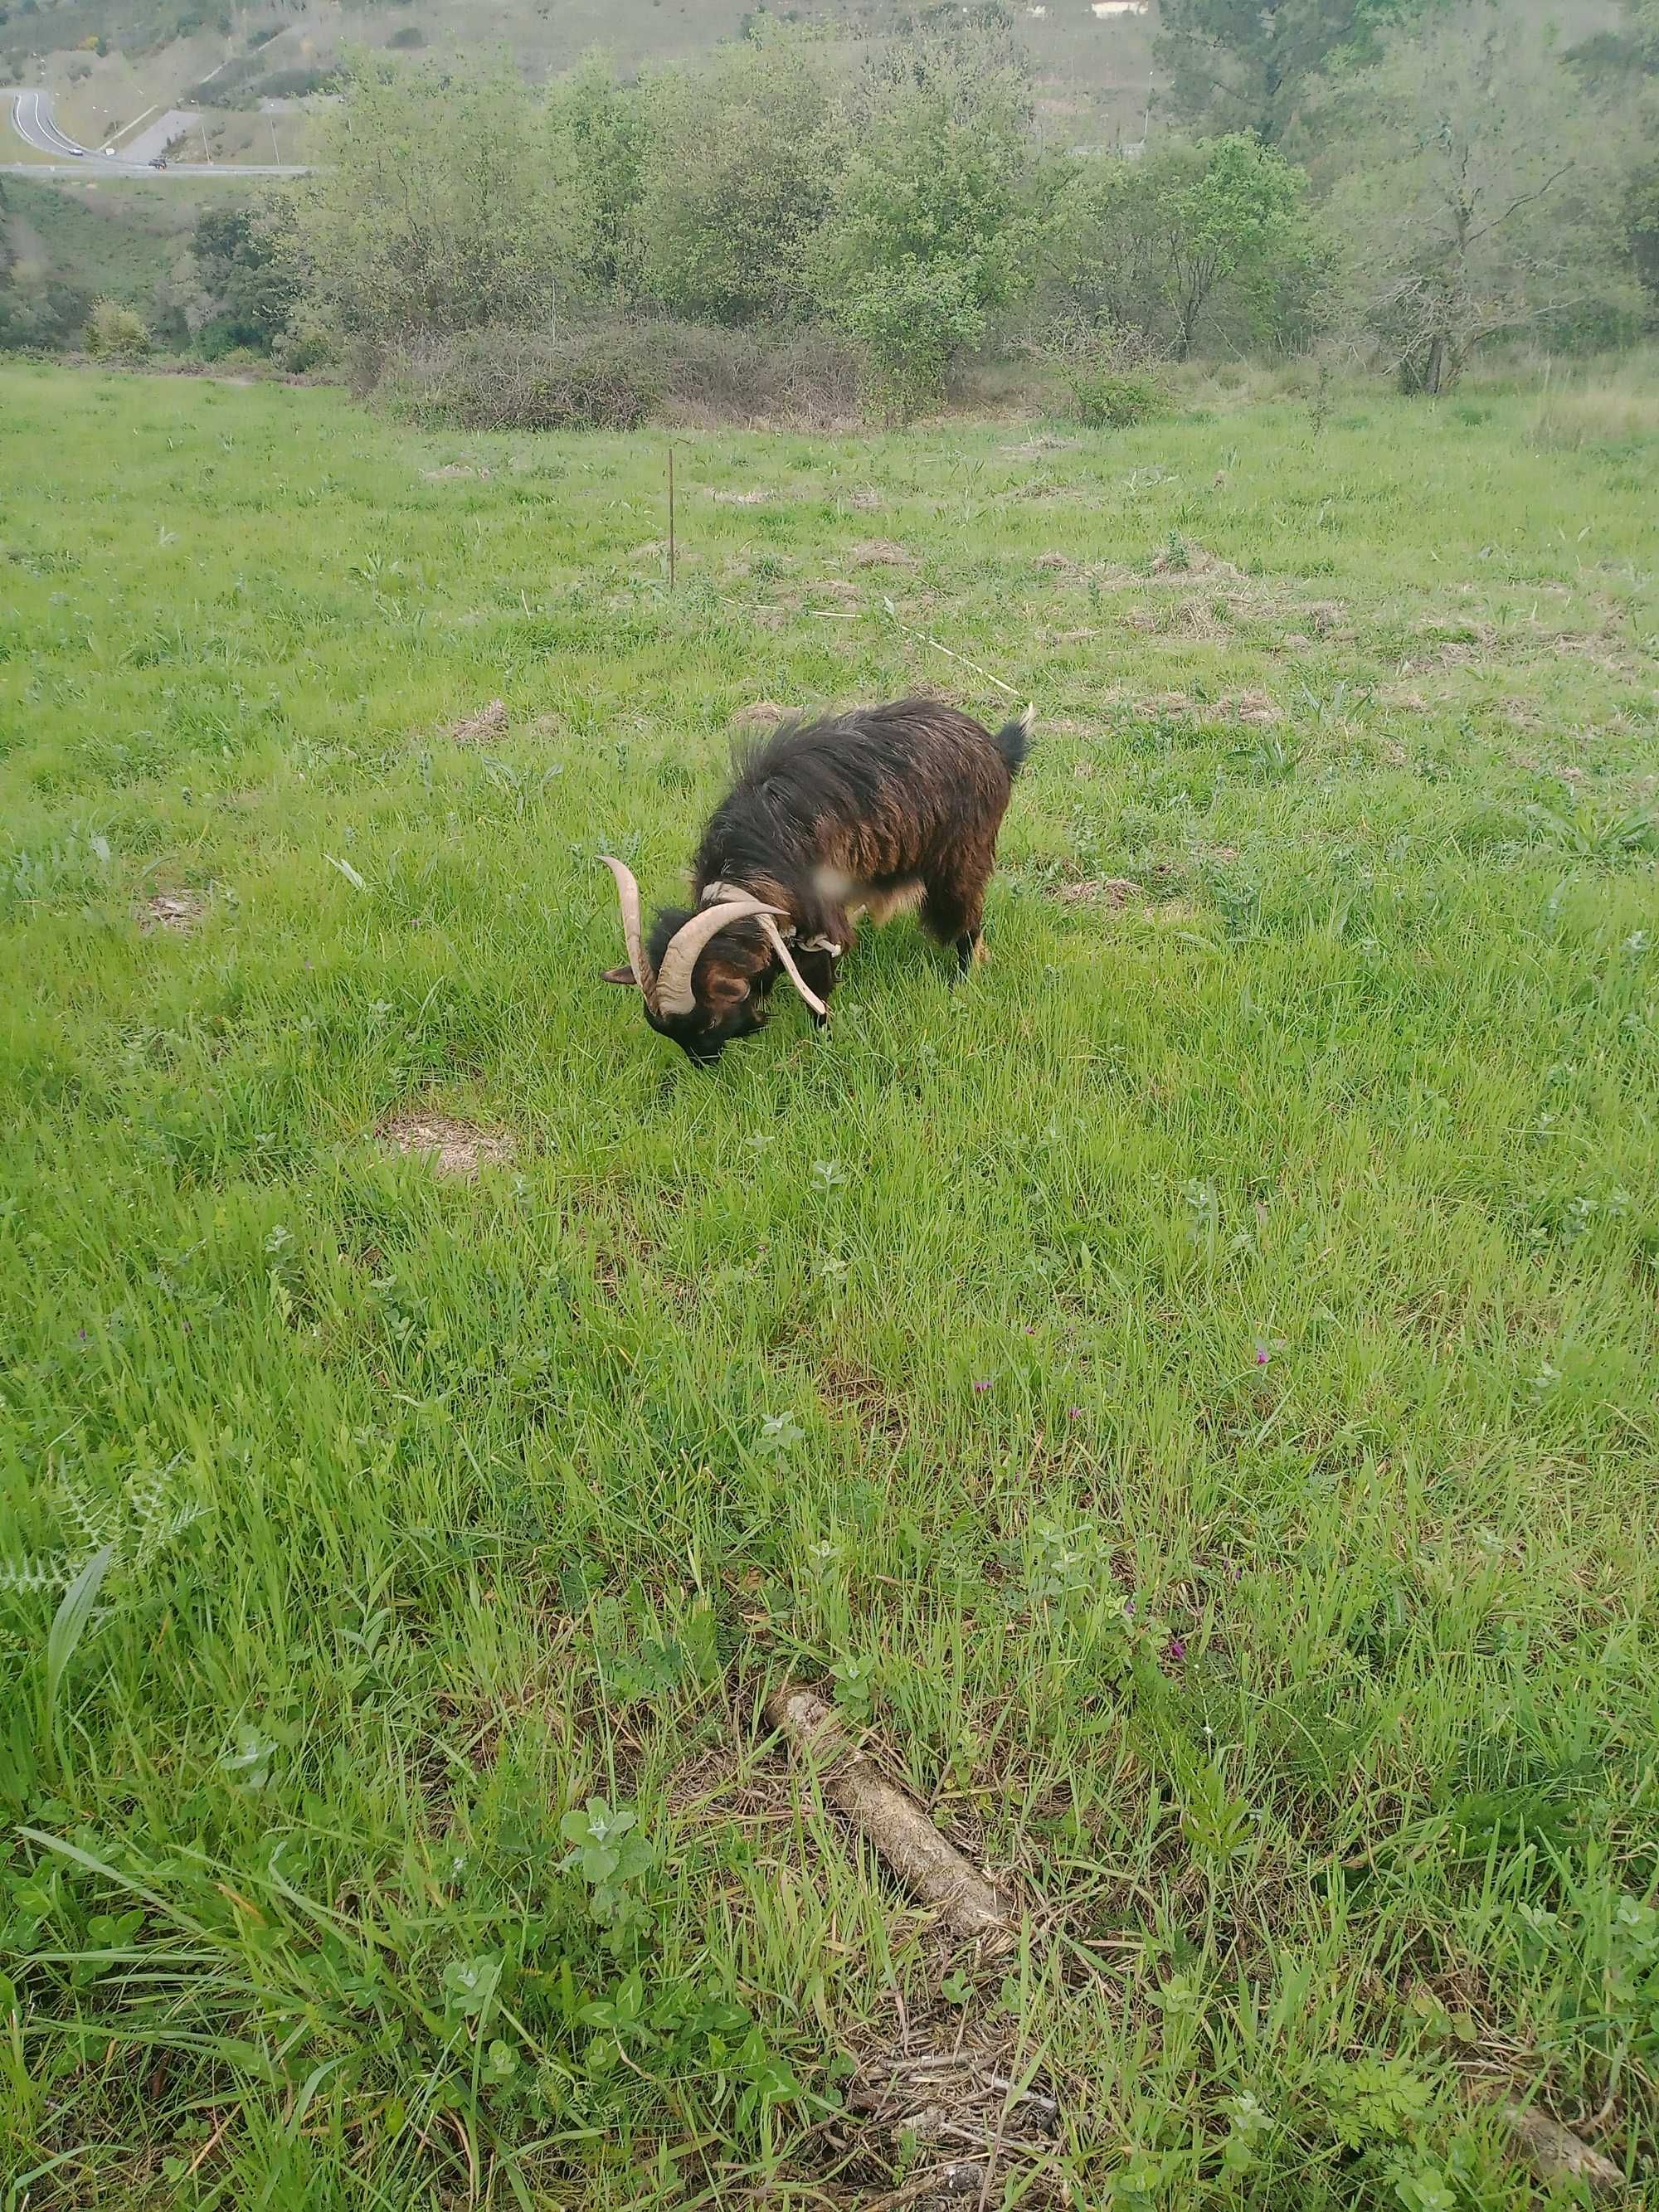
244,282
422,215
595,131
931,226
1246,64
1156,245
734,180
1482,195
1621,68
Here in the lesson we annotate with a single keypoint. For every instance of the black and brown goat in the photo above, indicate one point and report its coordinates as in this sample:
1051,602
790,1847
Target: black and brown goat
861,814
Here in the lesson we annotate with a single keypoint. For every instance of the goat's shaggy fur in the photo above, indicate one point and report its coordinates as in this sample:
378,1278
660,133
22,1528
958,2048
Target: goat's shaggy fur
857,814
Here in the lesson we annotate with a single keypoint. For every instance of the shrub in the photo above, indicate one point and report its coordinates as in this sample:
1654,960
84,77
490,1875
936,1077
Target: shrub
911,322
1167,244
521,380
297,83
245,82
114,332
927,234
406,39
615,376
1113,376
422,215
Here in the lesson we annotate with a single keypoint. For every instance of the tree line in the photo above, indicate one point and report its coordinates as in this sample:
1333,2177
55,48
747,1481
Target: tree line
1417,178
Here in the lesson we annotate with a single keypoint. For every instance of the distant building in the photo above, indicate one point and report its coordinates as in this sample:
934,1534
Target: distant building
1104,10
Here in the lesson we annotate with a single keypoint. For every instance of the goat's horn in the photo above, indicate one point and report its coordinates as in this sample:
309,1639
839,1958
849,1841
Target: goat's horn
789,967
674,992
627,895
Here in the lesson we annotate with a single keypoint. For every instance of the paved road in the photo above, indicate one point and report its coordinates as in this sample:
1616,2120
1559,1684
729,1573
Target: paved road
31,117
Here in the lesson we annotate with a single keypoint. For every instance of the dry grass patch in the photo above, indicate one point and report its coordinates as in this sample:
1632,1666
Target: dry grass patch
763,715
489,721
460,1149
950,2107
881,553
177,912
1188,559
856,1395
1111,891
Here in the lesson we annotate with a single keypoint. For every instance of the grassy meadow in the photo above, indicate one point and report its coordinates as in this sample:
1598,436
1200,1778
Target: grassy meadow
1189,1393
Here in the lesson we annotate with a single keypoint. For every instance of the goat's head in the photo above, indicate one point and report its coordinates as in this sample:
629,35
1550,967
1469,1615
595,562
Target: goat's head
712,970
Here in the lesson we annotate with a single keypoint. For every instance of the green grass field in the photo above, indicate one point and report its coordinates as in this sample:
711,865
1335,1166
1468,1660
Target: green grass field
1189,1392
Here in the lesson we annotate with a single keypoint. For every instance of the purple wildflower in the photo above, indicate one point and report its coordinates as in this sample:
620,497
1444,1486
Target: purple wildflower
1261,1355
1074,1412
982,1386
1175,1651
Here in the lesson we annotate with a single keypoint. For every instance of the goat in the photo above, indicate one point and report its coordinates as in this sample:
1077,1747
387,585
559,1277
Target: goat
861,814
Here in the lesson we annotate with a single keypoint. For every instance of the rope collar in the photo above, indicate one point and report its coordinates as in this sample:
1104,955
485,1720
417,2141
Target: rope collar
718,891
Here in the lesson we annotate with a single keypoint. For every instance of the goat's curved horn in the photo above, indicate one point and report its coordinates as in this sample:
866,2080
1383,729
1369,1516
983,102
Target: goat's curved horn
789,967
628,896
674,992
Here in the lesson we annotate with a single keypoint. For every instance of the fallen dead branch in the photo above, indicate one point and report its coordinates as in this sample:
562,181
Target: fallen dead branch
902,1833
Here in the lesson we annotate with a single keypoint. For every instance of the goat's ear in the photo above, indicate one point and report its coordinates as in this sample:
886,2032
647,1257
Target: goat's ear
624,974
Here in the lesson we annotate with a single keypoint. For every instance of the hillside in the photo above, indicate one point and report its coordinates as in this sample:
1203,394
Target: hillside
69,244
1094,74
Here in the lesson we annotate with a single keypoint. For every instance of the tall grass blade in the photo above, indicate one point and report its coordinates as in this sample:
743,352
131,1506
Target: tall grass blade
70,1622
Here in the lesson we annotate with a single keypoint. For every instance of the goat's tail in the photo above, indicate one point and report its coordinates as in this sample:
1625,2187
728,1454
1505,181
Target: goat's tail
1014,740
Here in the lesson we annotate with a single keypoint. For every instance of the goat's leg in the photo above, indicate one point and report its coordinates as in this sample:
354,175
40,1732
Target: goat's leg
953,910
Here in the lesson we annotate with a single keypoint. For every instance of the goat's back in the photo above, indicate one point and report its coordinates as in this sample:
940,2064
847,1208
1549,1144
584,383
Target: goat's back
879,793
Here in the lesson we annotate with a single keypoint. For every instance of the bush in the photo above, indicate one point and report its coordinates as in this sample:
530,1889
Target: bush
295,83
410,37
1188,235
1114,377
618,376
245,82
424,216
520,381
913,321
116,333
